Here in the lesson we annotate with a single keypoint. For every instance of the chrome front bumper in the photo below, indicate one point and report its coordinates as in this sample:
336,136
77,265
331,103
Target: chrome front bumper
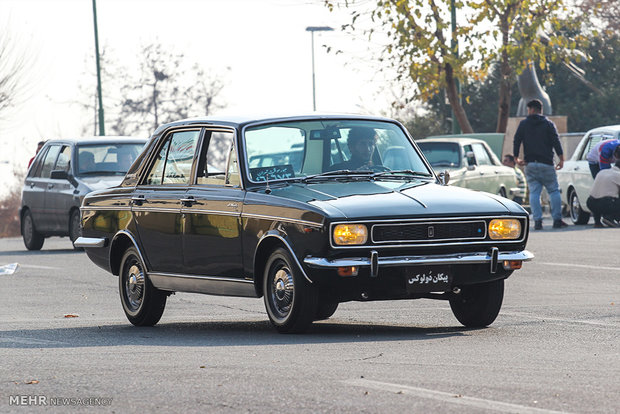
492,257
89,242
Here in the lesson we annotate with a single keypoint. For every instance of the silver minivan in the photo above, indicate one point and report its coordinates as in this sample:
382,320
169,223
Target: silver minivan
62,173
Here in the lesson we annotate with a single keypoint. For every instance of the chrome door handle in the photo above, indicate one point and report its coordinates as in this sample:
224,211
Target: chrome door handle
50,186
188,200
575,169
32,185
138,199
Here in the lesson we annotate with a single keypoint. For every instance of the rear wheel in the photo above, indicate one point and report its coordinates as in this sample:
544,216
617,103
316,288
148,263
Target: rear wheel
577,215
75,230
33,240
142,302
291,300
478,305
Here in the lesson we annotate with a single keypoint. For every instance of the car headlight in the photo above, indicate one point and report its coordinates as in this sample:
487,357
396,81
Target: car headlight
504,229
350,234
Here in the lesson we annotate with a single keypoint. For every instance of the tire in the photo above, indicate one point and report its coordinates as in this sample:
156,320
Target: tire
143,304
478,305
75,229
576,213
291,300
325,310
33,240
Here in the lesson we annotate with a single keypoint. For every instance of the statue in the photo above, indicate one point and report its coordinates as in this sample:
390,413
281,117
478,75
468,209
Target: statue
530,88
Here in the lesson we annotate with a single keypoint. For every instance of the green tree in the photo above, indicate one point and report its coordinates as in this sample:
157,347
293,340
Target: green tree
585,107
506,31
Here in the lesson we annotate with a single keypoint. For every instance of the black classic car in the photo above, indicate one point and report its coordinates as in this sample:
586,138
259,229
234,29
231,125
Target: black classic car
353,212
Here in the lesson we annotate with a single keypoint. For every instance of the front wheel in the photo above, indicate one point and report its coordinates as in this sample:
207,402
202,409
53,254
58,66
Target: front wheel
33,240
291,300
577,215
477,306
325,310
142,302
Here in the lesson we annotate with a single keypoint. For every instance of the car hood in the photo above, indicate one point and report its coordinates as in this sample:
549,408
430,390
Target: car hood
101,182
392,199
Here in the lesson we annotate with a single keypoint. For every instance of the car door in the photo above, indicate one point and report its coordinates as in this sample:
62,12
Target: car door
212,210
33,193
59,197
41,213
156,201
487,179
581,177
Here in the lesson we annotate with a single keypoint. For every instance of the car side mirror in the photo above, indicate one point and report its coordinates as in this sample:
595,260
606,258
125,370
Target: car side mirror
59,175
63,175
471,160
444,177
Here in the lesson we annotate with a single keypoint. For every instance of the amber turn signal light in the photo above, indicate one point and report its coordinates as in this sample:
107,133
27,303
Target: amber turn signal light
348,271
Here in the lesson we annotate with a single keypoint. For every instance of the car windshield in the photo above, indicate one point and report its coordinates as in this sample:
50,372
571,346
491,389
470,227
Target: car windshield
441,154
106,159
330,149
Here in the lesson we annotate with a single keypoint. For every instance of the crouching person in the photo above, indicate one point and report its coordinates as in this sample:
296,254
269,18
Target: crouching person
604,200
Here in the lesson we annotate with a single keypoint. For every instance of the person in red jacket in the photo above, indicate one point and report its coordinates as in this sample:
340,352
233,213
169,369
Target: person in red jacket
39,146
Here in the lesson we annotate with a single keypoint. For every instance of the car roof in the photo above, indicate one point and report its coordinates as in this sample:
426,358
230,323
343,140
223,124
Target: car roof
608,128
237,121
462,141
108,139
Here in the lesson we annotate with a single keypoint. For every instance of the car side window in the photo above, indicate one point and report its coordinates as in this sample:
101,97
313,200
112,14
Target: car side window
592,141
35,169
173,163
64,159
218,161
178,169
482,156
49,161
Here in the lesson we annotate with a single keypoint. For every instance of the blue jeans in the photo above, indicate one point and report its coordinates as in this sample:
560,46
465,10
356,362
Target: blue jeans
539,175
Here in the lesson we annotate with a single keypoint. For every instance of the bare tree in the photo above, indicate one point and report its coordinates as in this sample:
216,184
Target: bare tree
167,89
15,63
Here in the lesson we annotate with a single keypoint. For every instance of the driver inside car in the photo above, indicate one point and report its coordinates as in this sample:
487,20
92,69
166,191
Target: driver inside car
361,143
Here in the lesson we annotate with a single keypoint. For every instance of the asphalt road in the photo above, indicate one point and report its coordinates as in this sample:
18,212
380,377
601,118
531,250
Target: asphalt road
555,346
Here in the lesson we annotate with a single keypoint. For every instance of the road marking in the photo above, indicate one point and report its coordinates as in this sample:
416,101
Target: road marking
37,267
448,397
545,318
578,265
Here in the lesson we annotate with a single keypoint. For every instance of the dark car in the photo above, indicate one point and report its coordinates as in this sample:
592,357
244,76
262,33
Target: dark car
62,173
193,215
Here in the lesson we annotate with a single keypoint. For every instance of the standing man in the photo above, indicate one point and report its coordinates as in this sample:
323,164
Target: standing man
539,137
39,146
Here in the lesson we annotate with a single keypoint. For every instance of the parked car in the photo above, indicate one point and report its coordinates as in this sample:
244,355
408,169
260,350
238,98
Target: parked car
473,165
62,173
575,178
193,215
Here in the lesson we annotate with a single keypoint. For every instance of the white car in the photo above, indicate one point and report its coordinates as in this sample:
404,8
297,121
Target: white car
575,178
473,165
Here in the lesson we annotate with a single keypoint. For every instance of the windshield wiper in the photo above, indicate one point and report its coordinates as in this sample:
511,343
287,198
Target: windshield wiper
402,173
337,173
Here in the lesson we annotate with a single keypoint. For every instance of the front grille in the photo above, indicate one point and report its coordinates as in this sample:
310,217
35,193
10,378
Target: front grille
429,232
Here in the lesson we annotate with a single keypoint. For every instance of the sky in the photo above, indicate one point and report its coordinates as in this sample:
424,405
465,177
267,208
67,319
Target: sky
263,42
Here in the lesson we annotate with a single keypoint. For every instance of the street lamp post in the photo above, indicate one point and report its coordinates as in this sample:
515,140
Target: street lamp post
313,29
100,98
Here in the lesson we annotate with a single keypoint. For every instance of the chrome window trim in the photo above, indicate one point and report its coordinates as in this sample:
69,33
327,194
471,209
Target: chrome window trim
371,223
429,223
284,219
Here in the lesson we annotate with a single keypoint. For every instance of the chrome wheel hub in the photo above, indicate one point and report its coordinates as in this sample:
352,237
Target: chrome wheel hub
134,287
282,291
